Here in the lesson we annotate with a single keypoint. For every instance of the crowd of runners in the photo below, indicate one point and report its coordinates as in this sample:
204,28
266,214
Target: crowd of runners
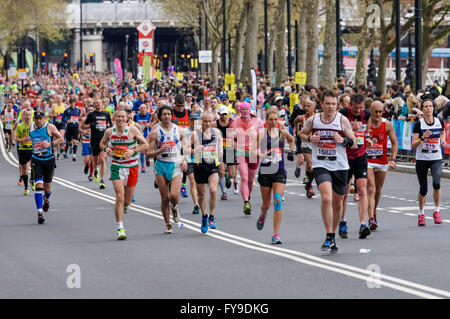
191,133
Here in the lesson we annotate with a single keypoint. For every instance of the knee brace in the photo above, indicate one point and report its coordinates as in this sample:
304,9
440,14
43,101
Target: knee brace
278,201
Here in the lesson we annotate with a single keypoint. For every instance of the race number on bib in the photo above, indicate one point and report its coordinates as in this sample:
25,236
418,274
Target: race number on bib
376,151
101,125
119,150
430,145
326,151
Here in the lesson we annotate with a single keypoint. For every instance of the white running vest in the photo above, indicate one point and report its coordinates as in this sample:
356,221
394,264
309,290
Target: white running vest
328,154
430,149
171,138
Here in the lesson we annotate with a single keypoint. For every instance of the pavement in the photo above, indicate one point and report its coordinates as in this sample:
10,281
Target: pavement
75,254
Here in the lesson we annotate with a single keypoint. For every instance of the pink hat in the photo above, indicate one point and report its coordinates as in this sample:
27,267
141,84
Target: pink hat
245,105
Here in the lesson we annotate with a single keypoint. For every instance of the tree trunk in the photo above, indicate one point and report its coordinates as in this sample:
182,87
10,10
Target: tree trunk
381,80
280,54
365,44
251,43
238,47
312,54
426,56
215,60
329,54
301,59
272,41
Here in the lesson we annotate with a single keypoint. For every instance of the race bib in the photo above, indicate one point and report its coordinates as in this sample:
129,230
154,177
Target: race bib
326,151
209,153
172,151
74,119
227,142
119,150
273,155
101,125
58,119
376,151
430,145
38,148
360,135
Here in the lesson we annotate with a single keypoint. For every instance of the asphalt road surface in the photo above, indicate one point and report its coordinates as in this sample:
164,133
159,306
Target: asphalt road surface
75,254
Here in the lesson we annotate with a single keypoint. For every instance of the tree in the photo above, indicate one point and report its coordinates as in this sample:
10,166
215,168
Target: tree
251,44
433,31
18,18
365,44
312,55
329,54
238,53
280,53
301,36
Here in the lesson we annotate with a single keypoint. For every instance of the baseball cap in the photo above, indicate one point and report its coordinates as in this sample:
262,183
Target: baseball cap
38,115
189,94
278,98
193,116
247,99
225,97
223,110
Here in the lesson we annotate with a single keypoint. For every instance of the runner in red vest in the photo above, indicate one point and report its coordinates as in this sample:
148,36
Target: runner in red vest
378,164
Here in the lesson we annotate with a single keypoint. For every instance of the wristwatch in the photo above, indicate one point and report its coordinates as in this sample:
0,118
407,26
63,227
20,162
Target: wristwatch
394,160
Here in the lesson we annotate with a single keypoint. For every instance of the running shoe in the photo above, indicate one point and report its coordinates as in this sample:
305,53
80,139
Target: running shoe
343,231
297,172
143,170
227,181
276,240
65,155
310,192
96,176
155,184
223,197
326,246
421,220
102,184
196,210
74,158
375,216
352,188
33,185
204,227
125,208
121,234
175,214
236,188
260,223
305,180
41,219
147,162
364,231
372,224
133,199
45,205
168,229
26,192
90,178
437,218
58,156
212,222
356,197
333,247
183,191
247,208
86,169
20,182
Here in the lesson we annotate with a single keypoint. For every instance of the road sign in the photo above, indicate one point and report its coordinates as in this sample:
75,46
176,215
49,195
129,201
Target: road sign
22,74
145,28
205,56
300,78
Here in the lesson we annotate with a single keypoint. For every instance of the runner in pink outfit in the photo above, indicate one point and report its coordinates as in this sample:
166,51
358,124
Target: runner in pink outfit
245,130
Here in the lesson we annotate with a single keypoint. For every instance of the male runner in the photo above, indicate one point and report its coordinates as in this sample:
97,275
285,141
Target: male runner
43,161
357,160
98,121
331,135
123,150
165,144
8,116
25,147
378,164
208,147
71,116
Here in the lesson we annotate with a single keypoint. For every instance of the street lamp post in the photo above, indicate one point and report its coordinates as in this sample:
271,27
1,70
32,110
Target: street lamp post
418,40
127,36
398,71
224,38
266,38
288,2
338,39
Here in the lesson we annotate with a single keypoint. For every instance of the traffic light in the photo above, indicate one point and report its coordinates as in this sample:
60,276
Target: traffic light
66,60
182,55
165,56
87,61
91,58
188,56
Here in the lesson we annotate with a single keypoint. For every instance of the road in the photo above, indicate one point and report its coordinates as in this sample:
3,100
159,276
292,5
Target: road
234,261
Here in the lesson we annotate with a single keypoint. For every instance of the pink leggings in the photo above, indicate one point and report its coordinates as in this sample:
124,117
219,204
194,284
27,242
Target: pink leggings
248,172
